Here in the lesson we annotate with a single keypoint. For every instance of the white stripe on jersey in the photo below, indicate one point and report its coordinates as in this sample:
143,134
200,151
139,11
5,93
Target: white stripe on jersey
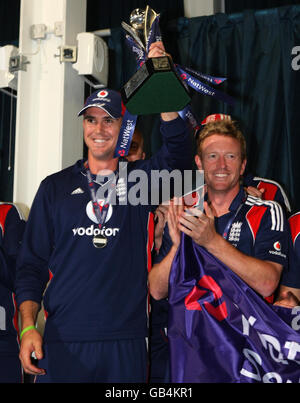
277,216
285,198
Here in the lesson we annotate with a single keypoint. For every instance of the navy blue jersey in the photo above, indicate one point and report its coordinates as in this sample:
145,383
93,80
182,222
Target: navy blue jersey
291,277
273,190
258,228
93,294
12,226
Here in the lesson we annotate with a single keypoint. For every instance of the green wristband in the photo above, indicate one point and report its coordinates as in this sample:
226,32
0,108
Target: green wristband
26,330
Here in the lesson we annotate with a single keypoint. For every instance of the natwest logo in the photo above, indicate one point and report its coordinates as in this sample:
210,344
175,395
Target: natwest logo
205,285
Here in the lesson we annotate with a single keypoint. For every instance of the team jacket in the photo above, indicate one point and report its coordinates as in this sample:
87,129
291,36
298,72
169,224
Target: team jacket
258,228
291,277
93,294
12,226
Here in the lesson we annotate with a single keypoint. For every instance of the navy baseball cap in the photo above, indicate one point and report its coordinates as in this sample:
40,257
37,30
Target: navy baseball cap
108,100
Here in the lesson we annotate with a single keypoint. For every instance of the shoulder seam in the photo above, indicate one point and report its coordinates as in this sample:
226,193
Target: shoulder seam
20,213
276,211
285,198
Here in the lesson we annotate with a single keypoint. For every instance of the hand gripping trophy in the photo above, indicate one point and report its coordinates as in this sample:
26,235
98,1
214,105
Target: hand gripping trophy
156,86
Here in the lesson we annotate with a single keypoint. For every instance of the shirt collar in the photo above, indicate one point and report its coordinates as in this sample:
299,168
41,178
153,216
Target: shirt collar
239,199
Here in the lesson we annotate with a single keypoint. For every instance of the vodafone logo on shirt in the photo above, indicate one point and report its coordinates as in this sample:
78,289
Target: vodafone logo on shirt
277,246
277,250
93,230
91,214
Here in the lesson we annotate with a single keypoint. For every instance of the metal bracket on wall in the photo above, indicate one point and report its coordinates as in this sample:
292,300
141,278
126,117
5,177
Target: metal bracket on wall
17,63
68,54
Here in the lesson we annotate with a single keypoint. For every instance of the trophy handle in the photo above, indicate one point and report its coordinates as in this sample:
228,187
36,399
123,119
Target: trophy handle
150,16
132,32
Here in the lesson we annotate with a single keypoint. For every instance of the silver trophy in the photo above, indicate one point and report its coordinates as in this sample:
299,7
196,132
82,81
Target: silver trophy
140,25
156,86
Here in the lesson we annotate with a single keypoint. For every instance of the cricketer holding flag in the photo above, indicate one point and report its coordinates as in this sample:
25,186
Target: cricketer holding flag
234,250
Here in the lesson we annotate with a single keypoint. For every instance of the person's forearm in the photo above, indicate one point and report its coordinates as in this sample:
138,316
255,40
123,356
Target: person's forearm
28,313
31,341
167,116
263,276
159,276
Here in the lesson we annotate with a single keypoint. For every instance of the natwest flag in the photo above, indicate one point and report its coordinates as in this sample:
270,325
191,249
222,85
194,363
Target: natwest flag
221,331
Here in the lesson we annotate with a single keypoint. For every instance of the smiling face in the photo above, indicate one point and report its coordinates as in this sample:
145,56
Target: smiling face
221,160
100,134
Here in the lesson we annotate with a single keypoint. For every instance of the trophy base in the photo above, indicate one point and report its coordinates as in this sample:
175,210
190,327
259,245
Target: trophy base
155,88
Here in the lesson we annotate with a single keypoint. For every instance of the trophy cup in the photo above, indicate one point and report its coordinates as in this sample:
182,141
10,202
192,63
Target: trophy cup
156,86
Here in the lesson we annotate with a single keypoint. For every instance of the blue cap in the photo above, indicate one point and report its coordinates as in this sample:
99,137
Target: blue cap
108,100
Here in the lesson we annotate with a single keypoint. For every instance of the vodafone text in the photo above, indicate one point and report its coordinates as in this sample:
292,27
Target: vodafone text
93,230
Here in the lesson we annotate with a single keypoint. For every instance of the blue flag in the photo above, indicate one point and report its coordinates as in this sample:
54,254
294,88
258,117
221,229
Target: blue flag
221,331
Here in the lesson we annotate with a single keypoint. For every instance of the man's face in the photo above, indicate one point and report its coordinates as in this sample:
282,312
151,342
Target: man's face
221,162
101,133
136,148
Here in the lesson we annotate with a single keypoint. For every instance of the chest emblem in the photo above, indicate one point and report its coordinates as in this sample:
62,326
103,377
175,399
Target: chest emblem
235,232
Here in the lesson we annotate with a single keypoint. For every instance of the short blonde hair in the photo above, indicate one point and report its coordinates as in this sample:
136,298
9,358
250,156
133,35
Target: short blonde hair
224,128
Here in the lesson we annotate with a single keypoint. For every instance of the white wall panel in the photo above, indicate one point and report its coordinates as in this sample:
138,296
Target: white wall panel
50,93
